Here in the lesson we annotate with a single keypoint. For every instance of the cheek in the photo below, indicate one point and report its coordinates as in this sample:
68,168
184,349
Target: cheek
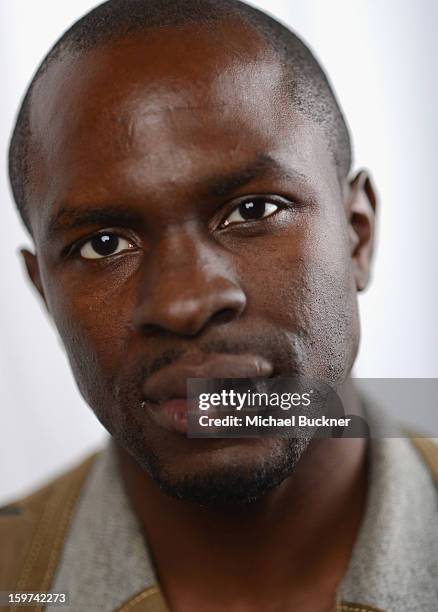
287,272
93,314
305,286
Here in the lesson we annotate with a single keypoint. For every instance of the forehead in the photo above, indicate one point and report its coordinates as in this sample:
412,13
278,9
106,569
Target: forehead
158,107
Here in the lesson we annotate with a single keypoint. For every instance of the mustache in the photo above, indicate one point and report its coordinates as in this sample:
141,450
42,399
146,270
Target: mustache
285,354
256,345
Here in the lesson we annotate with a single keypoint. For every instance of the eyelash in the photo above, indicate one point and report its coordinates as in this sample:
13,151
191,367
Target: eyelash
279,201
74,249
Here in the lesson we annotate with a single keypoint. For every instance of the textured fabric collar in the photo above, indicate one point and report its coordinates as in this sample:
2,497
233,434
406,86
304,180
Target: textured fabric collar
105,561
394,567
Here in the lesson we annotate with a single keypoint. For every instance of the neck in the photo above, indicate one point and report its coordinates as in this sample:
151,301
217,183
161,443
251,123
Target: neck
302,532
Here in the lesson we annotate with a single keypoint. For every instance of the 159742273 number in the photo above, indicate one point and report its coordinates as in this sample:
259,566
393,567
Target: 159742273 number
28,598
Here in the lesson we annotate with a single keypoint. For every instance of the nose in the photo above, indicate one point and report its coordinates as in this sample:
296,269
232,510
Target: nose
187,286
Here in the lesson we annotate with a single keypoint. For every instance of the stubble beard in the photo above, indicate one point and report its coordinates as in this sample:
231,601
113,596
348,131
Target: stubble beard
227,485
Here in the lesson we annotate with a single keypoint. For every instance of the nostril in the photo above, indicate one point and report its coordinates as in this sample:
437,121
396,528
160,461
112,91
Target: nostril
223,316
150,329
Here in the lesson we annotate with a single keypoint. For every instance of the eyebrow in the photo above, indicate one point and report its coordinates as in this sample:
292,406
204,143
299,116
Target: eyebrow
264,164
69,217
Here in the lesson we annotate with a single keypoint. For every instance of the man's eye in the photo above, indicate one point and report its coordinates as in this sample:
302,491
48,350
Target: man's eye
104,245
251,210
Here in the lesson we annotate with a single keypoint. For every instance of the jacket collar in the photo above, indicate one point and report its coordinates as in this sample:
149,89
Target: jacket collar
152,600
393,565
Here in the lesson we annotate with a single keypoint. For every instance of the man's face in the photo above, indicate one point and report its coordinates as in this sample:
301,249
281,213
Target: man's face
188,221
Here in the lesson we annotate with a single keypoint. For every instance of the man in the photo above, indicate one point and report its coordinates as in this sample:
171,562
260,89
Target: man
184,170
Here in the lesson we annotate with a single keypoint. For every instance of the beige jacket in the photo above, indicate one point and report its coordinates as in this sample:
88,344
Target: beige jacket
33,532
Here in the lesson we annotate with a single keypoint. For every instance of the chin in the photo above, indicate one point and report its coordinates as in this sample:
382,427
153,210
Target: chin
224,472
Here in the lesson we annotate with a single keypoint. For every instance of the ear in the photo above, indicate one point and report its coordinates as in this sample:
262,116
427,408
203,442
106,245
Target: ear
33,272
361,204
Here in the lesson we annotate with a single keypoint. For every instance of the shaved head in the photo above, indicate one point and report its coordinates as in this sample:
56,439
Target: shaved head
182,166
309,90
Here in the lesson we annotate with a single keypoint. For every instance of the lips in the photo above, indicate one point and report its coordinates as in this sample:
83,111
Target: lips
165,392
170,382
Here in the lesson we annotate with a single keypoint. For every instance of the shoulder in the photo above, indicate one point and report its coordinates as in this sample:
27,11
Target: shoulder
32,530
427,448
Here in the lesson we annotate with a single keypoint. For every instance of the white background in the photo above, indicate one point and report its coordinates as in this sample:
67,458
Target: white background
381,57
